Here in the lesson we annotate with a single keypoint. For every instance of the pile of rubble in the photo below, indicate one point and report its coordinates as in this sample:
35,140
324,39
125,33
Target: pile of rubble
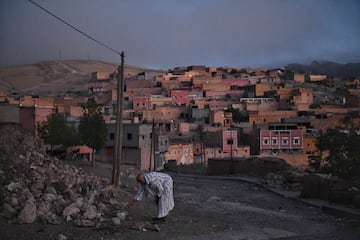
37,187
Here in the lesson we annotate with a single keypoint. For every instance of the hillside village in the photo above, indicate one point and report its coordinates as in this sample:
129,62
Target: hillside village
199,114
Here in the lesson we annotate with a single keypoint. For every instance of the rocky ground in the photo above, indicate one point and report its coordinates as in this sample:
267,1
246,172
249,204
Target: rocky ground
44,198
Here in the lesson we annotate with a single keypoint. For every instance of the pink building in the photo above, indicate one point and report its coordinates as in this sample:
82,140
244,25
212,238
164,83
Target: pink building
180,97
281,139
142,103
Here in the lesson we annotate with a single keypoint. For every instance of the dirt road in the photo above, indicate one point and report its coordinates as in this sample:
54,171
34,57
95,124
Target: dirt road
208,209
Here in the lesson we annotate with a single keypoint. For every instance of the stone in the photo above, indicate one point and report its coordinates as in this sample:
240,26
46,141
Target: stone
90,213
121,215
116,221
27,194
28,213
14,201
51,190
51,218
61,237
13,186
92,197
103,208
8,211
71,210
43,208
49,197
139,226
85,223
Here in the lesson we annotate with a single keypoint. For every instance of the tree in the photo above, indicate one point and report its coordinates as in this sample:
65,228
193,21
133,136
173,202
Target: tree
343,148
92,127
55,131
237,116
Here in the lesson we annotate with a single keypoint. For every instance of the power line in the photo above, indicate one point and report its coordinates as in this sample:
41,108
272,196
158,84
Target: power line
75,28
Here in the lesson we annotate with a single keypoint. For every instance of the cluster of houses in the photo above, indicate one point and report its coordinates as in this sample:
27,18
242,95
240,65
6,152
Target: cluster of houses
192,114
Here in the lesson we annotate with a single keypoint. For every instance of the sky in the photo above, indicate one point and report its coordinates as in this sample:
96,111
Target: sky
164,34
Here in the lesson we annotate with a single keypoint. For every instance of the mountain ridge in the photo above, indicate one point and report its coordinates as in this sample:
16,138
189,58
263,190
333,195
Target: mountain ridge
333,69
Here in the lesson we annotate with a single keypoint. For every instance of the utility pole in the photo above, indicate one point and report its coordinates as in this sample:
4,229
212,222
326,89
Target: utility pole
119,125
152,148
231,153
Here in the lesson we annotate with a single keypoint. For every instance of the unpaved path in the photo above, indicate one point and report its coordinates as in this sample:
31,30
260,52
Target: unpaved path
207,209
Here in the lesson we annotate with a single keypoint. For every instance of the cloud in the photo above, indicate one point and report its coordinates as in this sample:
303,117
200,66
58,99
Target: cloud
166,34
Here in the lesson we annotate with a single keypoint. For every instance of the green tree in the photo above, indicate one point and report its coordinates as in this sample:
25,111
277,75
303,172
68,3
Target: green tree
343,147
55,131
92,127
237,116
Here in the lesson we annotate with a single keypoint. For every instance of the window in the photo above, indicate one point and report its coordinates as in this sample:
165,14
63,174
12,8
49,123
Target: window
296,141
285,141
112,136
230,141
274,141
266,141
129,136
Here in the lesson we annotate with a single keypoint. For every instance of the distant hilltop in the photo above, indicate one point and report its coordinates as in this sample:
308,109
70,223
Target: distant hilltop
328,68
57,76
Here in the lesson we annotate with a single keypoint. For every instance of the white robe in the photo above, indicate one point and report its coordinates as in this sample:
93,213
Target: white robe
161,185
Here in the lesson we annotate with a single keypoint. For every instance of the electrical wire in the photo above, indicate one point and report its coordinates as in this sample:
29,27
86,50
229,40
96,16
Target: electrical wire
75,28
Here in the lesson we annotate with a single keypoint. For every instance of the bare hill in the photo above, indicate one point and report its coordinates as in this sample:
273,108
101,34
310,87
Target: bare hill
52,77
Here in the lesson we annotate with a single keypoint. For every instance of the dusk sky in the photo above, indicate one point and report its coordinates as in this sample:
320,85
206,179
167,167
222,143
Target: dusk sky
165,34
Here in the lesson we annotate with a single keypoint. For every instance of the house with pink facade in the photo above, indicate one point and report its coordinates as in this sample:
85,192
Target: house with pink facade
281,137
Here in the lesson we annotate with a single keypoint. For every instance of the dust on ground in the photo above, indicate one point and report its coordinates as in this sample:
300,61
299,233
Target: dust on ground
204,209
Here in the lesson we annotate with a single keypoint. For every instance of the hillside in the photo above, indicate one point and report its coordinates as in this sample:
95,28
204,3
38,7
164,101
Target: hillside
53,77
329,68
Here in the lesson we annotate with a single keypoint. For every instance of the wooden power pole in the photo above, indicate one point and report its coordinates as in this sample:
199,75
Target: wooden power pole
119,125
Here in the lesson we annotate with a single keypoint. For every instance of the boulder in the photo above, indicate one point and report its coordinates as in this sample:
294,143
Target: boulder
28,213
8,211
116,221
90,213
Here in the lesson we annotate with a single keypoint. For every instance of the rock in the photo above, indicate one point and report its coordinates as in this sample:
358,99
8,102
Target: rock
103,208
61,237
139,226
157,227
85,223
8,211
14,201
13,186
71,194
28,195
71,210
38,186
121,215
28,213
116,221
51,190
49,197
113,201
92,197
51,218
43,208
90,213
